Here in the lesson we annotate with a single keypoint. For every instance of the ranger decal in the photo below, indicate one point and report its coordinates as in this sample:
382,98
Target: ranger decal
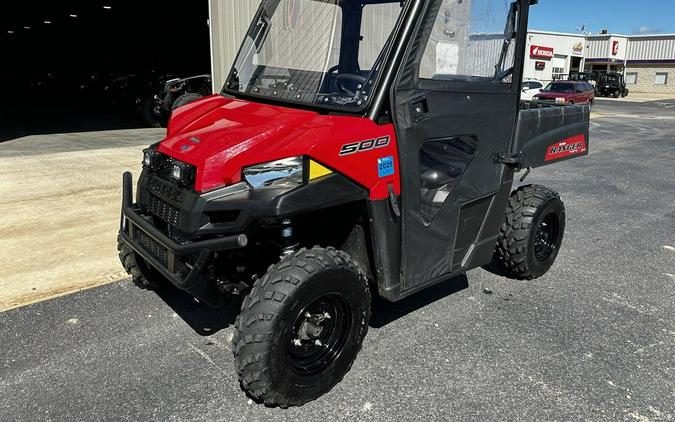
571,146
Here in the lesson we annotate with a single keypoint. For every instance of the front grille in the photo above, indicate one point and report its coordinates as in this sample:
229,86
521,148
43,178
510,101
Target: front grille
152,246
167,212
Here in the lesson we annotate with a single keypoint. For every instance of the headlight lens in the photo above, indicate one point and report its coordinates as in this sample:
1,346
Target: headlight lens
182,173
152,158
286,173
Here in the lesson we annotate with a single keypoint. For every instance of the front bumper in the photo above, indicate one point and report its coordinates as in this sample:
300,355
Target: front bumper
160,251
171,227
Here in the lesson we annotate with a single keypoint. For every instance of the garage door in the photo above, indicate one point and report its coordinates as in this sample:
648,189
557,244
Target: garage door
559,64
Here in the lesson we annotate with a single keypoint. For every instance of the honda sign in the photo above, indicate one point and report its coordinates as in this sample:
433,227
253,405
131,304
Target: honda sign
615,48
539,52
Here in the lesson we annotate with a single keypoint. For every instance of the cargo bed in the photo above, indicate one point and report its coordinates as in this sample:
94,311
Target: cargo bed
547,132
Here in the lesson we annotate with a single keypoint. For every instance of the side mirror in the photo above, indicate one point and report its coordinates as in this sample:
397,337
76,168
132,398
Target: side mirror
579,90
541,90
524,89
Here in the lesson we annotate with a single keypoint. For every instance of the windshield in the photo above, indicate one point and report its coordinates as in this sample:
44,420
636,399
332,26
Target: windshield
559,87
325,52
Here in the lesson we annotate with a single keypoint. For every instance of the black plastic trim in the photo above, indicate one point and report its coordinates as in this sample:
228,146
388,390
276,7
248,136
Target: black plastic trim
247,204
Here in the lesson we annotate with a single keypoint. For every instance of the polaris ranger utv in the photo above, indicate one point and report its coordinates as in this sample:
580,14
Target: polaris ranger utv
358,147
611,84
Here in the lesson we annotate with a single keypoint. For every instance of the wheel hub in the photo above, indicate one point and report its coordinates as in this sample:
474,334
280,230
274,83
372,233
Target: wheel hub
311,328
546,237
319,334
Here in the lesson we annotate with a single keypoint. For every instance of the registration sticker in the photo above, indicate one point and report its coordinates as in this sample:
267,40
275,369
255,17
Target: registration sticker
385,166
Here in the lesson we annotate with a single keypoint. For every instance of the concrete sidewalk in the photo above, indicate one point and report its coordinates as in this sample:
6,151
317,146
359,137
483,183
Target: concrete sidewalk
60,208
641,98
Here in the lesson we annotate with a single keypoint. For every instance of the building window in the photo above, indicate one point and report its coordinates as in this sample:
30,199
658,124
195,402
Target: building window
631,78
559,73
661,79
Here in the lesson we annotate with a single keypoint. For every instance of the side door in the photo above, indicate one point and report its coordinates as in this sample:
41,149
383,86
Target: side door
455,101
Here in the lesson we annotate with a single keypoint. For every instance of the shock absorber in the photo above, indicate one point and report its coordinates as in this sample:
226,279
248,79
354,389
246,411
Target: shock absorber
288,244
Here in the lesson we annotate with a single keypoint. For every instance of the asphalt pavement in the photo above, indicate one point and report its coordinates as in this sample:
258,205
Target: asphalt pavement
592,340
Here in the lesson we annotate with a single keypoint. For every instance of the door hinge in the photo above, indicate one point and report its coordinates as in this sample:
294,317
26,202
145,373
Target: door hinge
511,159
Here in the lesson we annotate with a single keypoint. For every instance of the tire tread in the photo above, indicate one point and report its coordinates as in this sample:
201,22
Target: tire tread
253,336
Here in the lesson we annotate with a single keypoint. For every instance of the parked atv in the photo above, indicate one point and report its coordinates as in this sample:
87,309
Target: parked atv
156,107
335,167
612,85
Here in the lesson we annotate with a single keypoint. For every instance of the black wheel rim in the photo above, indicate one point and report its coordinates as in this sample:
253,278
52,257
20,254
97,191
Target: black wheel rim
546,237
319,333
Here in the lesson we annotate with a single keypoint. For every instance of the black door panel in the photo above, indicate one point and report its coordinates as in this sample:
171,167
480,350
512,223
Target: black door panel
449,130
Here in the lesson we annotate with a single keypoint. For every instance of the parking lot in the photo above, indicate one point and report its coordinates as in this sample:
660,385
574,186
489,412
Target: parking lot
594,339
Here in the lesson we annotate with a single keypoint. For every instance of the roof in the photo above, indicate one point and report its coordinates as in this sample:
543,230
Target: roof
565,34
570,34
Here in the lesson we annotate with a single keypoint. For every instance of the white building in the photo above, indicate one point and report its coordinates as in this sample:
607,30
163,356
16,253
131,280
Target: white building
647,61
553,55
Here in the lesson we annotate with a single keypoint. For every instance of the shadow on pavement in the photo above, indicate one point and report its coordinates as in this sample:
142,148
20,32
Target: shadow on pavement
207,321
203,319
385,312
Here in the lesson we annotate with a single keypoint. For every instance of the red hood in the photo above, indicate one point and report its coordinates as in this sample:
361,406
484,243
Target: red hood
220,136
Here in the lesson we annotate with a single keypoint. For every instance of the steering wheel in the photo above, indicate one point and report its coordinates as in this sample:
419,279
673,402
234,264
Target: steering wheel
349,77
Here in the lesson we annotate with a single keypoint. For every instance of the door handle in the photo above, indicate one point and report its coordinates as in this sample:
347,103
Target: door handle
419,109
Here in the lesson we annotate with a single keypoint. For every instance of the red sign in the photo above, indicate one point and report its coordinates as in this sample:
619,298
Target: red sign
615,48
571,146
540,65
540,52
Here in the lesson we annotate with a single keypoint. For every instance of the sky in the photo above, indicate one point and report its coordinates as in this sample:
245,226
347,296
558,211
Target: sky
626,17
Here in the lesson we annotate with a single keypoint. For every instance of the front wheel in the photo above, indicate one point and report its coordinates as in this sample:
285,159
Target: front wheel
185,99
531,235
142,274
301,327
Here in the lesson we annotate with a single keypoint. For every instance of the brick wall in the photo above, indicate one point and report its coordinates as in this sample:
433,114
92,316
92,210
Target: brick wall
646,76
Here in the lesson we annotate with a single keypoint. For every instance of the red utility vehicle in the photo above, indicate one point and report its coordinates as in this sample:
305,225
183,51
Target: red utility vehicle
567,92
358,148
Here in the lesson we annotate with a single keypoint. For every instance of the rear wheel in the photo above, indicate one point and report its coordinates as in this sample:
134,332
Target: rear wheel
531,235
301,327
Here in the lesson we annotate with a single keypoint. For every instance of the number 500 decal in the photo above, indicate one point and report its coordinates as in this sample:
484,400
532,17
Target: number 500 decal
364,145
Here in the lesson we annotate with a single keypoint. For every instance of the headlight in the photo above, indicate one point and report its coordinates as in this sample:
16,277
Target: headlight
560,100
182,173
286,173
152,158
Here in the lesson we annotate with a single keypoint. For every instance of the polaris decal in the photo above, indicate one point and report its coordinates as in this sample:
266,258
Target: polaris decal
385,166
575,145
366,145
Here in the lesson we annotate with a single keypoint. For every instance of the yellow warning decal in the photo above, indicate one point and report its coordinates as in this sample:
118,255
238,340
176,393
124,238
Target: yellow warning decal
316,170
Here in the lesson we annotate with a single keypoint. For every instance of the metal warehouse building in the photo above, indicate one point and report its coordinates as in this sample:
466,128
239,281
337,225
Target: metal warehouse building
648,61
